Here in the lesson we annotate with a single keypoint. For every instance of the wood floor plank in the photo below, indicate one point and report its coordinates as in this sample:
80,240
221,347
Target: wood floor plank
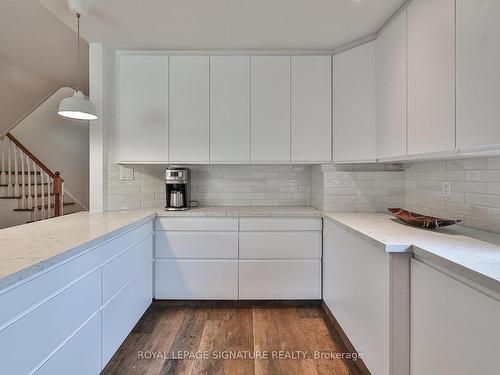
242,330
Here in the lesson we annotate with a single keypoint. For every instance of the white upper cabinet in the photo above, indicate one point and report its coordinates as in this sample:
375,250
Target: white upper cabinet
311,126
354,95
478,75
270,109
431,76
142,109
189,109
230,109
391,90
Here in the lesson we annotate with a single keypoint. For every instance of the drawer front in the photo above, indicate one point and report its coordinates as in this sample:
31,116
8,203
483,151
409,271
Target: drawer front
197,224
120,270
81,355
272,224
285,245
121,314
280,279
22,297
196,279
27,342
185,244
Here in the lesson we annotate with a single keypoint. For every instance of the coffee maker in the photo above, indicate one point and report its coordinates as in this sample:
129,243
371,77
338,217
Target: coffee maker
177,188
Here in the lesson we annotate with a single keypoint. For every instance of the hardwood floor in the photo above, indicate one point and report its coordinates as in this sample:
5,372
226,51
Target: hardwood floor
194,340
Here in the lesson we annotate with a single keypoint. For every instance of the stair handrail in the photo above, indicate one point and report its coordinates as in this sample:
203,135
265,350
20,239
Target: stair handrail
58,187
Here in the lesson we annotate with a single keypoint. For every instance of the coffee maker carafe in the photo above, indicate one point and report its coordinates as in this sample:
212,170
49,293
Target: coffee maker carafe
177,188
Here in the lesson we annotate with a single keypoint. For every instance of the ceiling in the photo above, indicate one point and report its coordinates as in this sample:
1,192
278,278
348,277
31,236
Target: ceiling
228,24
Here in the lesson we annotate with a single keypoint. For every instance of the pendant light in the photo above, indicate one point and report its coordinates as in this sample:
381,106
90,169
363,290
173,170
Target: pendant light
78,106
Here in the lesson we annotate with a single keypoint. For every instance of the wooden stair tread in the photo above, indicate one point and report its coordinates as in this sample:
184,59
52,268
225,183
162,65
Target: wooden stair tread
19,172
40,207
20,184
27,195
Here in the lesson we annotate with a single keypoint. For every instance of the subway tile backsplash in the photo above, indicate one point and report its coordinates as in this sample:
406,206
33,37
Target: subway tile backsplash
475,190
475,193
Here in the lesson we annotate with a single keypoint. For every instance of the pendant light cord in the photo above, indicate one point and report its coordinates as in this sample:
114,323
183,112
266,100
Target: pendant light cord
78,53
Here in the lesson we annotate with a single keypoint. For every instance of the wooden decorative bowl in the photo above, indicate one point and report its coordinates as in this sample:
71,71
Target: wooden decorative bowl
421,221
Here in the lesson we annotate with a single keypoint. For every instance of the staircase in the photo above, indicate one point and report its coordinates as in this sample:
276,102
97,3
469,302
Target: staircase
28,189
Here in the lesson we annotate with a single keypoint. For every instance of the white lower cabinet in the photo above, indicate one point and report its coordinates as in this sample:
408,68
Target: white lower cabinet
454,328
86,344
196,279
367,290
66,318
121,314
284,245
280,279
30,340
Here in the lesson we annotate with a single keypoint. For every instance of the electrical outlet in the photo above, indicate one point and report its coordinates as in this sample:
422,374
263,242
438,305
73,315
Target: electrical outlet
447,189
294,185
126,174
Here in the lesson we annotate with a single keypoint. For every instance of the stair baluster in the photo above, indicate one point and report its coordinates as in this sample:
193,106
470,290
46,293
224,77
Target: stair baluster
16,172
35,205
3,177
9,169
29,200
23,180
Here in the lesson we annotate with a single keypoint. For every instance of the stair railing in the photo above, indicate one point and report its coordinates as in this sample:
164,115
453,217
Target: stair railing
27,178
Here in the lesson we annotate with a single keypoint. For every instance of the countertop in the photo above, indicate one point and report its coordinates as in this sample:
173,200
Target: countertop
30,248
467,252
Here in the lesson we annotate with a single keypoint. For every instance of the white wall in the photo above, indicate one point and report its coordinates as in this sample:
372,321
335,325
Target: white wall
61,144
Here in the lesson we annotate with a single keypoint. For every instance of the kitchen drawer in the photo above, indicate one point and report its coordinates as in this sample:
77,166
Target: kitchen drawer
185,244
28,341
197,224
286,245
123,268
196,279
280,279
277,224
49,282
81,355
121,314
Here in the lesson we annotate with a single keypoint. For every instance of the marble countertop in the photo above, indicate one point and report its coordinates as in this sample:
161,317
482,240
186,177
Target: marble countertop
246,212
473,254
29,248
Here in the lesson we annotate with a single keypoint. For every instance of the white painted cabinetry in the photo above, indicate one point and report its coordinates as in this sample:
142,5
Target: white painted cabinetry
280,259
230,109
354,97
311,123
142,110
189,109
454,328
75,314
270,109
478,75
390,66
367,290
196,258
431,77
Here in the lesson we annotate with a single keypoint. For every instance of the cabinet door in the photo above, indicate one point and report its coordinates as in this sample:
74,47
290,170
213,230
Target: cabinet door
270,109
391,90
446,317
431,76
311,129
142,117
196,279
230,109
354,95
478,75
189,109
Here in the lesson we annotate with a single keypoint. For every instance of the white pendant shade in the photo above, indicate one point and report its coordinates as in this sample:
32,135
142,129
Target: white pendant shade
78,107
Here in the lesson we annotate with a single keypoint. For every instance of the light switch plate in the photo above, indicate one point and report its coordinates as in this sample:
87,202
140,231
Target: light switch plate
447,189
126,174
